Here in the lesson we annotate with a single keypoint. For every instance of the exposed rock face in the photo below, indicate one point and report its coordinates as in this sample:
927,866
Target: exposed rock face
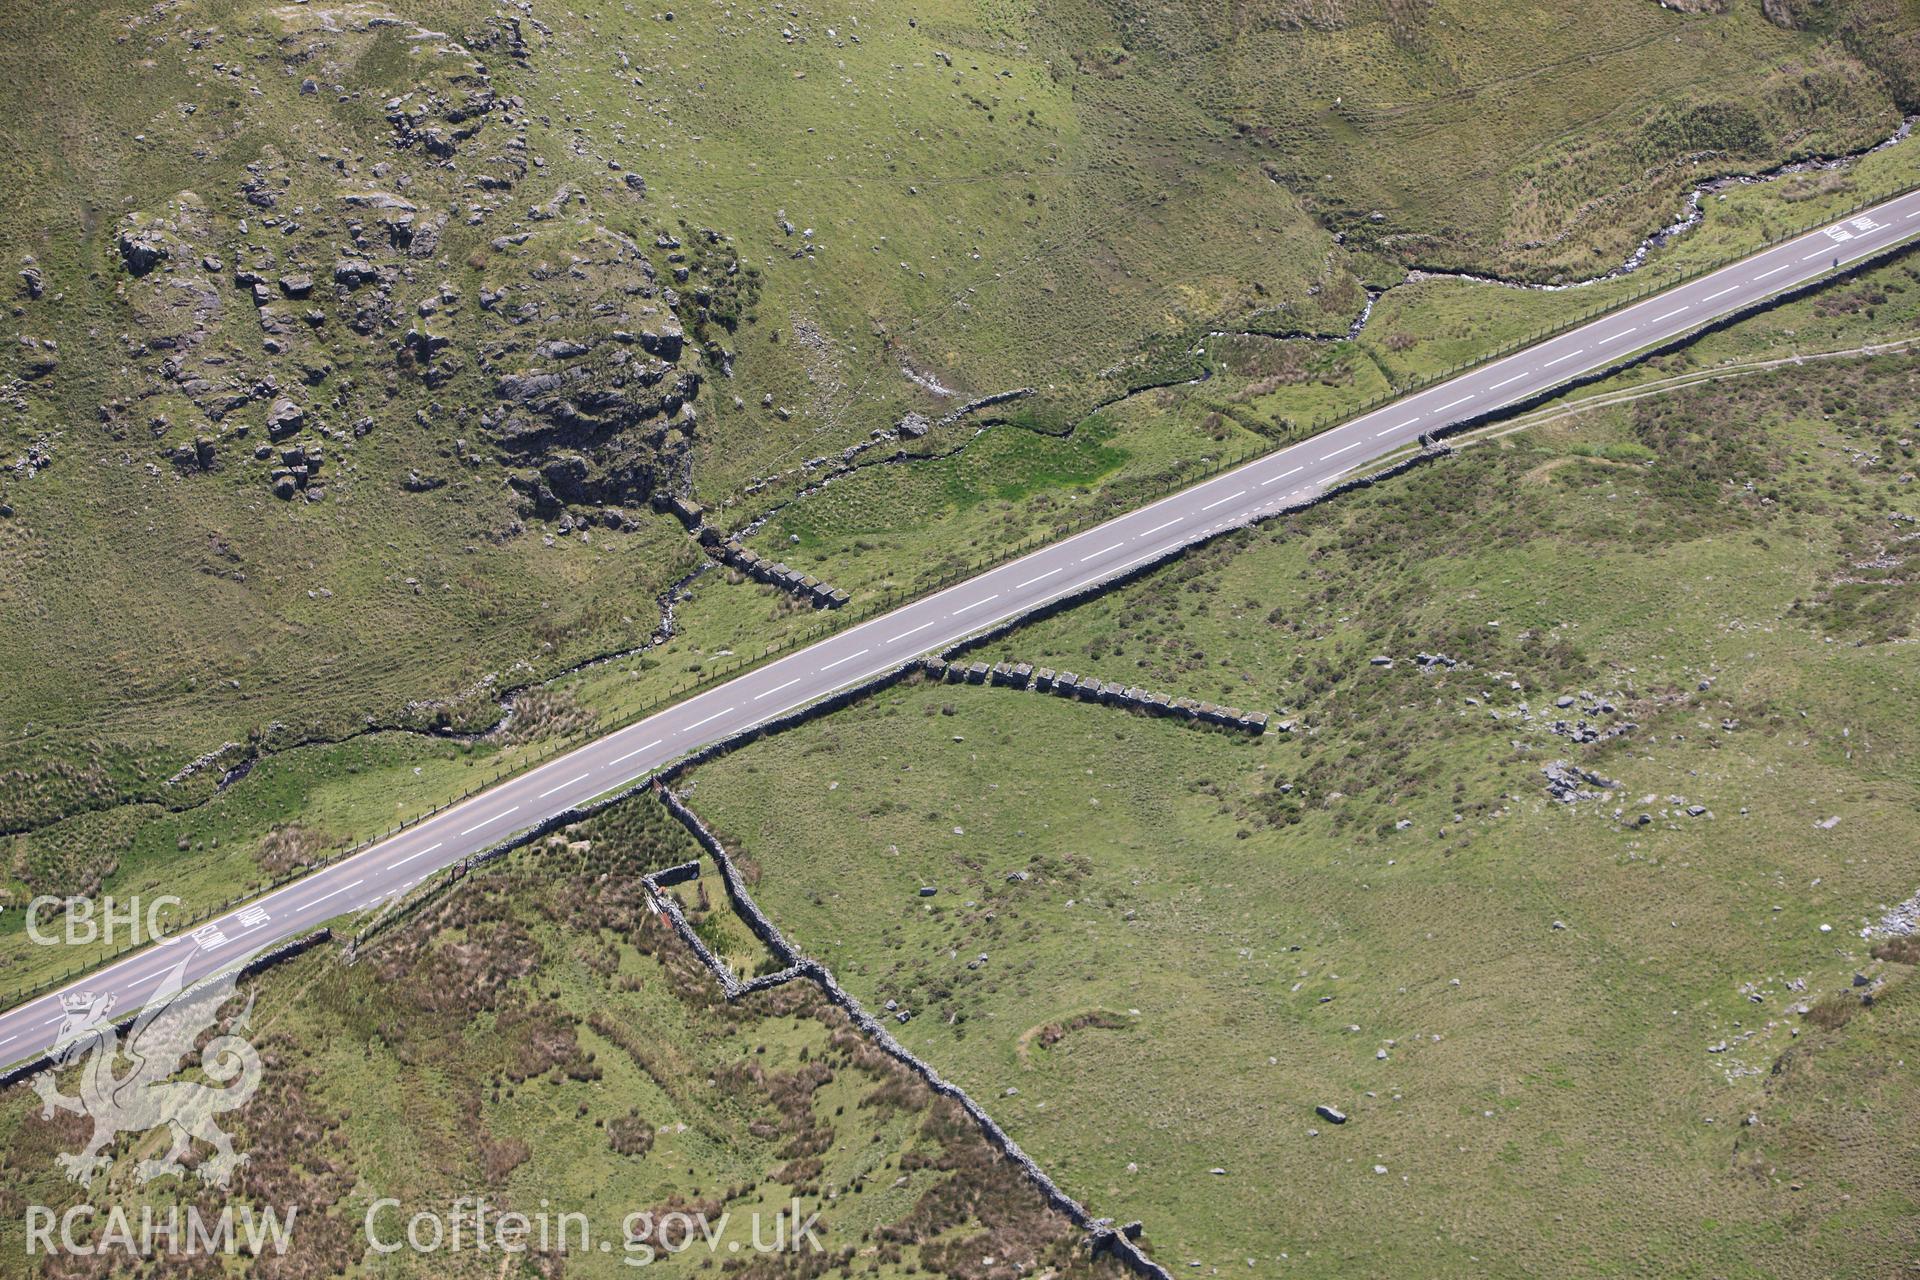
141,249
284,417
311,287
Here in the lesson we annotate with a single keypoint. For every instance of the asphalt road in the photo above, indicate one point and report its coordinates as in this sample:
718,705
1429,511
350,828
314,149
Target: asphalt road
1233,497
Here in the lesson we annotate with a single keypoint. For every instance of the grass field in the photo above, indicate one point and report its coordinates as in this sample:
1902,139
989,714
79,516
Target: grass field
1064,200
1579,1101
541,1041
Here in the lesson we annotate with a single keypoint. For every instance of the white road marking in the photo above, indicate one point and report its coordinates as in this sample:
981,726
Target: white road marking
430,848
1515,378
9,1039
975,605
1102,551
562,787
1670,315
335,892
715,716
796,680
1219,501
1277,479
1030,581
476,826
1451,403
636,751
902,636
1409,422
1817,253
1623,333
1723,293
836,662
1776,271
1342,449
1557,359
1157,528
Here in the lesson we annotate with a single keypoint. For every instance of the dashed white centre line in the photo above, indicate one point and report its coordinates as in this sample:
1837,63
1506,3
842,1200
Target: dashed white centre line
1670,315
430,848
1030,581
1095,556
636,751
475,827
722,711
1774,272
1342,449
1222,501
902,636
1723,293
1623,333
1157,528
1515,378
334,893
1557,359
562,787
9,1039
975,605
1817,253
1451,403
837,661
796,680
1277,479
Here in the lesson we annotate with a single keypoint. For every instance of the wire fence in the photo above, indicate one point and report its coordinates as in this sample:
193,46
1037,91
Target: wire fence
1117,502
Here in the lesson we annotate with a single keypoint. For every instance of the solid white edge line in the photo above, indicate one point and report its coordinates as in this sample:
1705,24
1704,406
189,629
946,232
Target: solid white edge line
789,684
562,787
830,666
636,751
430,848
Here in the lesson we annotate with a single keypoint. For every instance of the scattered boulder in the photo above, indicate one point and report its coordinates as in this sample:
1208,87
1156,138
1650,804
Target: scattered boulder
141,250
284,417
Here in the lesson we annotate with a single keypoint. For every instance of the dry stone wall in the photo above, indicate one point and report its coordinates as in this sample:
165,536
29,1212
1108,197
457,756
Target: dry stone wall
1109,693
1102,1238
